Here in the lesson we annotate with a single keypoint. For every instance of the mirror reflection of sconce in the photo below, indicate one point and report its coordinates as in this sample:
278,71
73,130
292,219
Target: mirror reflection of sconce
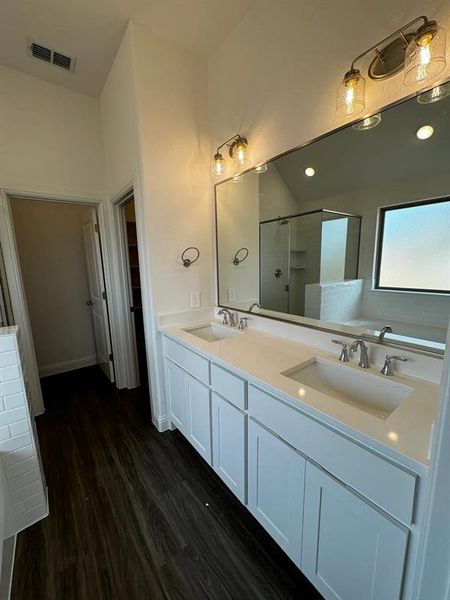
419,51
240,256
187,262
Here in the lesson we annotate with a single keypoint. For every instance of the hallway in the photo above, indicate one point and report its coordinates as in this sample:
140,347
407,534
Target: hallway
135,514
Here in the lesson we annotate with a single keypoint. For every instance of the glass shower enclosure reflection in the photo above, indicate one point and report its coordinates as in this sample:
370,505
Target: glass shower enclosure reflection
304,250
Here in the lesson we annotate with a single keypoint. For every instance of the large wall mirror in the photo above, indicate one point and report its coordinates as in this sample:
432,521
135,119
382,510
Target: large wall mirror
350,232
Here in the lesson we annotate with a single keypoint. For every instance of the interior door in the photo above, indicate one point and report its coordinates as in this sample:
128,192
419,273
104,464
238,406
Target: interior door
97,292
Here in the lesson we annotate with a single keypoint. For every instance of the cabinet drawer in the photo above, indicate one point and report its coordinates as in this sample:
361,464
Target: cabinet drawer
190,361
388,485
229,386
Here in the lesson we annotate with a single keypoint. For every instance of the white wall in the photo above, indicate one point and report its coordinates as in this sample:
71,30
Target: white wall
118,118
50,139
50,243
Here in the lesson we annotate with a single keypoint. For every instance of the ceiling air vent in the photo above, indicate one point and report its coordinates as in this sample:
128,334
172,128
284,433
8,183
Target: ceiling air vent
51,56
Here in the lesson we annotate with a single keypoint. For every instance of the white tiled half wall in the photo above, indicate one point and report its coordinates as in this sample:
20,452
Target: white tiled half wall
25,494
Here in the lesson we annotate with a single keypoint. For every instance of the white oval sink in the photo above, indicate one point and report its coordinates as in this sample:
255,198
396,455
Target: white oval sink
375,394
213,332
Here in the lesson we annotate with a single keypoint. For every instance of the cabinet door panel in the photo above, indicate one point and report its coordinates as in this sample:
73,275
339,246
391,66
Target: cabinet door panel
351,550
176,394
198,421
276,475
229,445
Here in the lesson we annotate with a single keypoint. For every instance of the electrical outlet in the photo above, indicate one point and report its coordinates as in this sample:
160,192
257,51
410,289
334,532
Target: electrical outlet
231,294
196,301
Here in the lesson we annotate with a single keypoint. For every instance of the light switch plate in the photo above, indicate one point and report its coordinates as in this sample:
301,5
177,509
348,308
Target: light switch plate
196,299
231,294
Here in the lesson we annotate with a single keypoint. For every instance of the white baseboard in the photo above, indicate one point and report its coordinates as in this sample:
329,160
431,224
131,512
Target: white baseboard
162,422
7,566
67,365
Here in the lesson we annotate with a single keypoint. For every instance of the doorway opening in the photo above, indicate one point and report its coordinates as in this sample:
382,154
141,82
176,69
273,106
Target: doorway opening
60,255
132,268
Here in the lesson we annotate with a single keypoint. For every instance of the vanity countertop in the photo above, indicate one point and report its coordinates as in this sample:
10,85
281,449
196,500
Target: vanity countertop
261,358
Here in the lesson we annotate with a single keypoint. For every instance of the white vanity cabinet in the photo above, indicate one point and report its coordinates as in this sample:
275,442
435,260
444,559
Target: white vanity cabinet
276,480
345,513
351,550
190,408
229,444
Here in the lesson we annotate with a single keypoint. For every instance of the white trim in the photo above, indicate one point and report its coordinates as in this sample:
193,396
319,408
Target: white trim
19,303
162,423
433,576
7,566
67,365
121,286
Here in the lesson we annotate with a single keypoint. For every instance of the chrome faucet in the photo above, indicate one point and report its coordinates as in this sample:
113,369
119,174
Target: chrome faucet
229,318
383,332
387,367
364,356
254,305
344,352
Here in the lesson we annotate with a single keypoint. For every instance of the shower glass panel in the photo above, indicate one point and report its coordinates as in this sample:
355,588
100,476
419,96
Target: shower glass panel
302,255
274,265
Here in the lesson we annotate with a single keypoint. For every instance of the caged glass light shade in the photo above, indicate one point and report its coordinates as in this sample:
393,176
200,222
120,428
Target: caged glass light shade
351,94
425,54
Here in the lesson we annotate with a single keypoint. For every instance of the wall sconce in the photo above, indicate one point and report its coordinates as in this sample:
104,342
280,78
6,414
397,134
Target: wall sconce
238,152
187,262
420,52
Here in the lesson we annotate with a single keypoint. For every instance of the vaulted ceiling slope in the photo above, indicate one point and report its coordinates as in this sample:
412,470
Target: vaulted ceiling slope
91,31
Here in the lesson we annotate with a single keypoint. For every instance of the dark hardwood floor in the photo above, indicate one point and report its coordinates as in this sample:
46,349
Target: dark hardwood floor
135,514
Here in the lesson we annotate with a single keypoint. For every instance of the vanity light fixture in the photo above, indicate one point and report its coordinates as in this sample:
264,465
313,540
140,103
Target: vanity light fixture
439,92
421,52
238,152
424,132
310,172
367,123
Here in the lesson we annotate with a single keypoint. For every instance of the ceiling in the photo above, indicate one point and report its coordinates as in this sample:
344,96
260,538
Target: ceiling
91,31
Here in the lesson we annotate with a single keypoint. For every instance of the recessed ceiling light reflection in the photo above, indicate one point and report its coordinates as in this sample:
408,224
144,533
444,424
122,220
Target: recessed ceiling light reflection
425,132
393,436
261,169
367,123
301,392
310,172
237,179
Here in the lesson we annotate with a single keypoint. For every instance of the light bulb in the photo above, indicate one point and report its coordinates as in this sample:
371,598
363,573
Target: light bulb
239,151
218,165
425,132
425,54
310,172
351,94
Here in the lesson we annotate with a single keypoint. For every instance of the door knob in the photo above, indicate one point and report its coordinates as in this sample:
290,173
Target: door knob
89,302
278,273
